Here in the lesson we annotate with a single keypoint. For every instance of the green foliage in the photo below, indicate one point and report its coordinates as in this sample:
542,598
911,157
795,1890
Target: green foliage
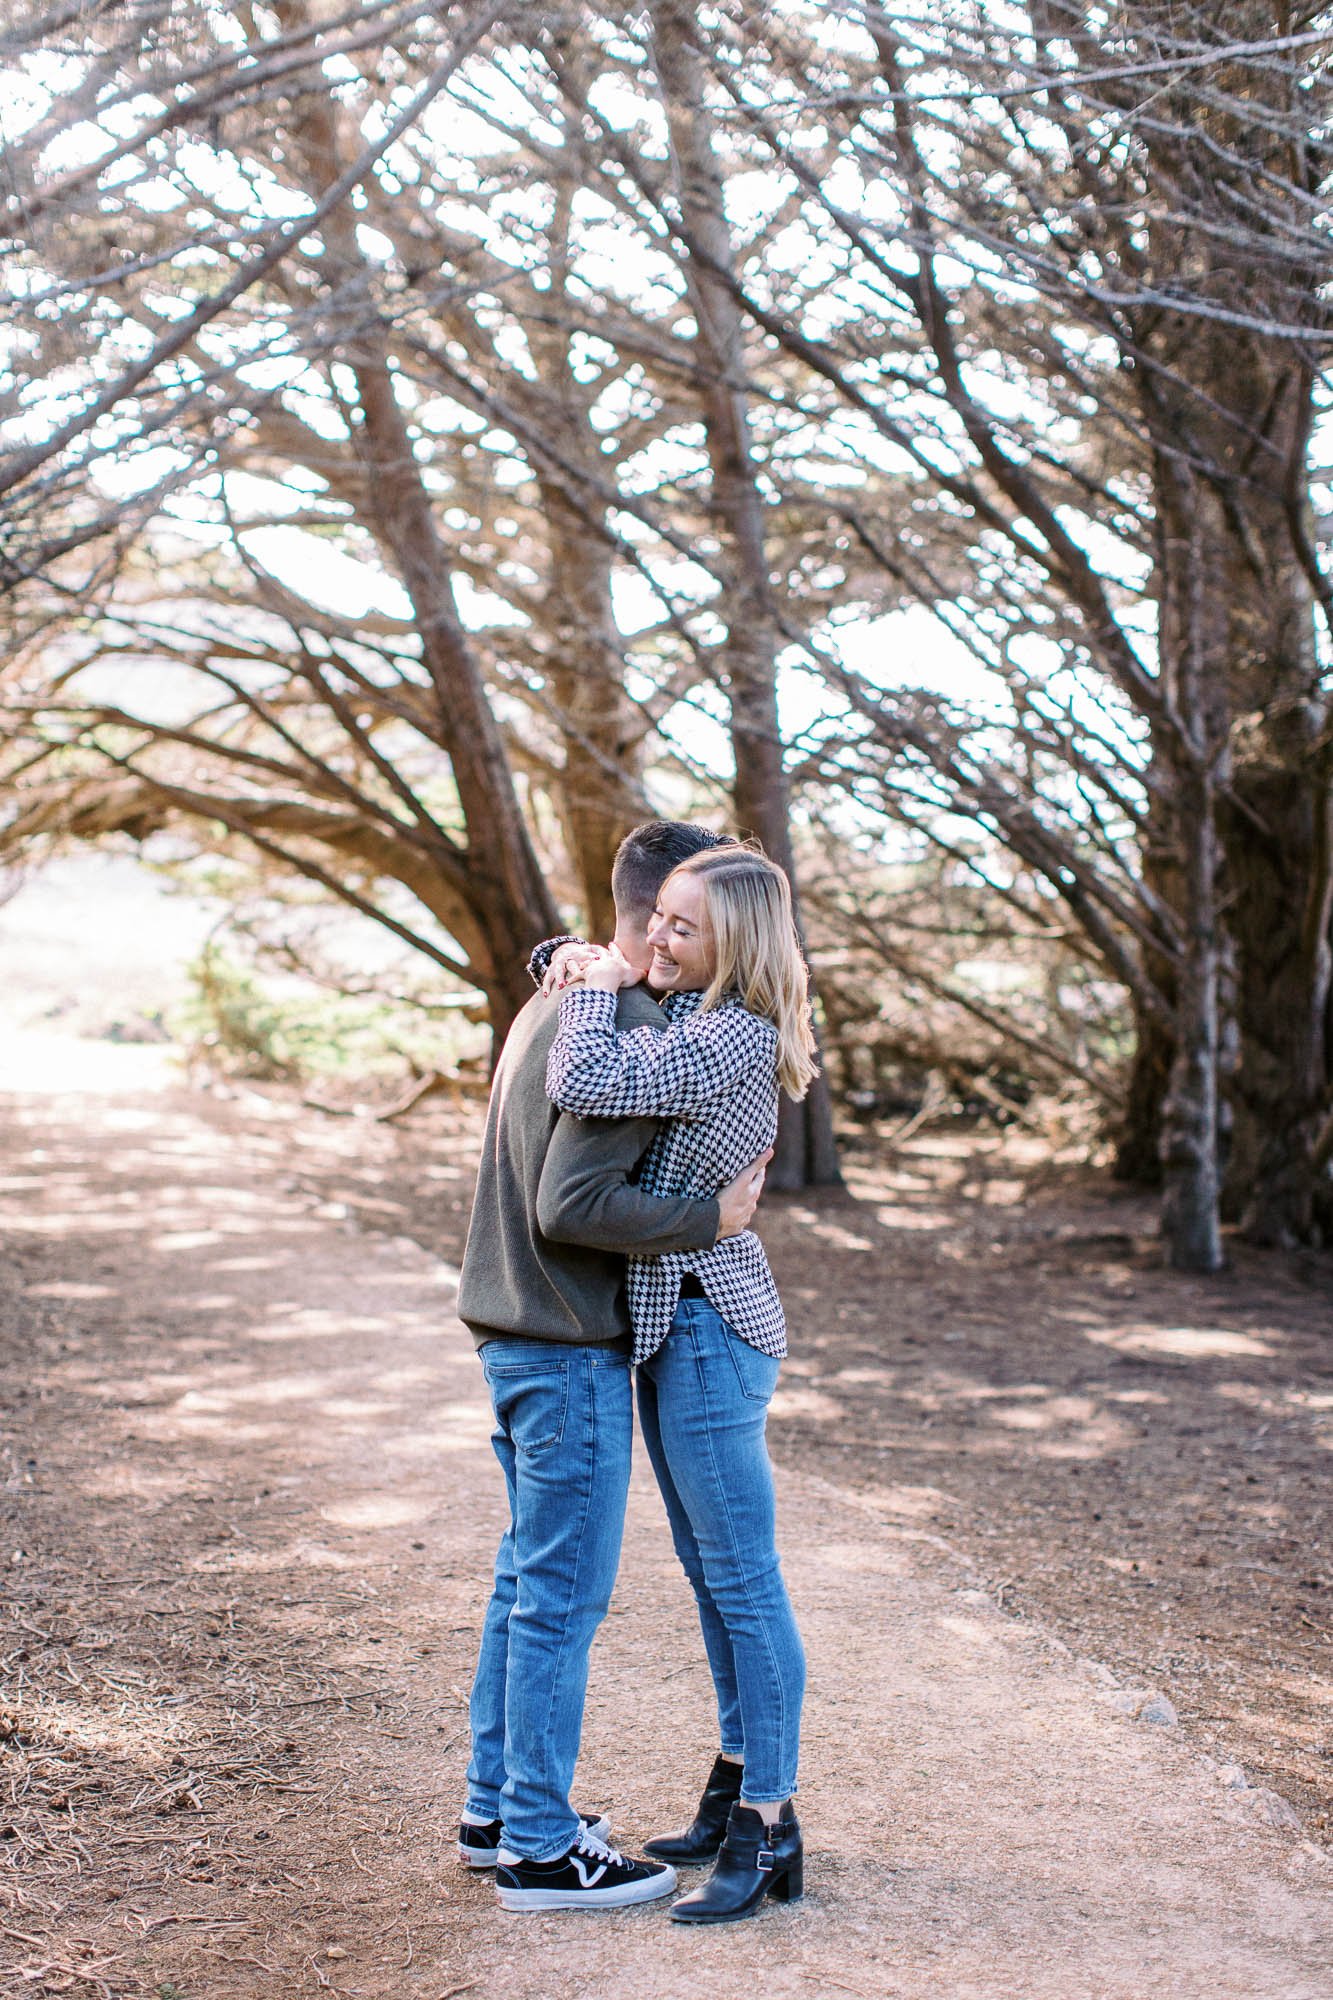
290,1029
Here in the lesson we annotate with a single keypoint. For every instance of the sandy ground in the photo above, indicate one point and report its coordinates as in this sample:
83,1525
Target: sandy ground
249,1509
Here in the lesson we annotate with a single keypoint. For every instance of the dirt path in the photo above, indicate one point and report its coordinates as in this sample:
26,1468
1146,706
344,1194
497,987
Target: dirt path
249,1512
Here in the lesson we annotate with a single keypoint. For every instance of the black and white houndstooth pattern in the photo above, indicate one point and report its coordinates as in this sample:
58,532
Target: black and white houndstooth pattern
539,958
713,1077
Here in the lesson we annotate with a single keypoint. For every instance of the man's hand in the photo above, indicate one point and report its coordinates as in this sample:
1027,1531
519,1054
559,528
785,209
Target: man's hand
738,1201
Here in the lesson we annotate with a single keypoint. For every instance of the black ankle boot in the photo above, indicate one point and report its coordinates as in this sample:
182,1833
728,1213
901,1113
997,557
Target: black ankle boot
753,1861
701,1839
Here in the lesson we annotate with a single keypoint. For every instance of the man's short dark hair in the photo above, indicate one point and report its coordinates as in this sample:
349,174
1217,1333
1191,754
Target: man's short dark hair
647,856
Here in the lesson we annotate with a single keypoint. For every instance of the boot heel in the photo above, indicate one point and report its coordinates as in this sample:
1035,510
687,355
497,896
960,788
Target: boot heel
754,1862
789,1887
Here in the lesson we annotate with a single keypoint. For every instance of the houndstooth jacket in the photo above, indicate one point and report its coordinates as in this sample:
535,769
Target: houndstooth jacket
713,1077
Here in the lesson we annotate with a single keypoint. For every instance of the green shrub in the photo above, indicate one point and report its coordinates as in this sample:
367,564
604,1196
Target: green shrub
295,1029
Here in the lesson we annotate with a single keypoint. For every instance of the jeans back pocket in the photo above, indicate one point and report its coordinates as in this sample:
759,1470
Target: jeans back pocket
757,1373
530,1401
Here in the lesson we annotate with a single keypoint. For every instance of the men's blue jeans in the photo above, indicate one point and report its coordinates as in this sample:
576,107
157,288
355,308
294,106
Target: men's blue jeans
703,1407
563,1429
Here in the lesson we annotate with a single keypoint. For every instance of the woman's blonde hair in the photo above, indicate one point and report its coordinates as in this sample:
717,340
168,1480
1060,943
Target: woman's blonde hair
748,923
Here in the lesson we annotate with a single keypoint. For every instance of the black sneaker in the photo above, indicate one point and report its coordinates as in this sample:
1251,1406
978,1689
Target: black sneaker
589,1876
479,1840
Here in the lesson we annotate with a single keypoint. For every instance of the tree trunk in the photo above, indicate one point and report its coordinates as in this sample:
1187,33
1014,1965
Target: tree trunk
1138,1128
601,790
506,887
1138,1156
1229,410
806,1152
1192,749
1277,829
600,793
1226,551
1191,1217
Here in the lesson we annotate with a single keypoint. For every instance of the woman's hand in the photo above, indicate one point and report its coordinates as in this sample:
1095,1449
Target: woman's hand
601,967
567,966
609,971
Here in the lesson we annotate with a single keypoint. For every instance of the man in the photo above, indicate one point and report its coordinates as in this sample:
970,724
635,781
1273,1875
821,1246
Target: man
554,1216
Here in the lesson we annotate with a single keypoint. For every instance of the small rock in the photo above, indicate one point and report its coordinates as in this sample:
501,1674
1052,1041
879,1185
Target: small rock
1096,1671
1272,1808
1232,1778
1141,1704
1158,1710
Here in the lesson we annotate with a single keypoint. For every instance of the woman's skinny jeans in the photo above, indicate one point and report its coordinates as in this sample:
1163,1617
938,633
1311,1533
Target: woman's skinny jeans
703,1406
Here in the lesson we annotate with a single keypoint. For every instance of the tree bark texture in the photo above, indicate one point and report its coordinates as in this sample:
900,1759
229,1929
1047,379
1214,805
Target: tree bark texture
506,888
601,791
1229,410
601,795
806,1152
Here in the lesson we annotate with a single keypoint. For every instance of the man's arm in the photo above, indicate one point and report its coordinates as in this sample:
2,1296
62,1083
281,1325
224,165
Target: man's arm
586,1196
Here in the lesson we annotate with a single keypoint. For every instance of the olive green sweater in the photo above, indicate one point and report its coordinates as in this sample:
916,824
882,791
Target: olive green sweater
555,1212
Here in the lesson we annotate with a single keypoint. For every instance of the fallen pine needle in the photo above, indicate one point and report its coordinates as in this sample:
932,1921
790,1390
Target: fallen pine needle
191,1917
24,1937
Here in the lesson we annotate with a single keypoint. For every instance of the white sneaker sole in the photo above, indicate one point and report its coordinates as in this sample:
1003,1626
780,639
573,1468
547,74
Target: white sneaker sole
482,1858
616,1897
472,1857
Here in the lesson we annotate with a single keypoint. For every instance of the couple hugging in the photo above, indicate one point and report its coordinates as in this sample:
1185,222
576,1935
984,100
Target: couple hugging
624,1154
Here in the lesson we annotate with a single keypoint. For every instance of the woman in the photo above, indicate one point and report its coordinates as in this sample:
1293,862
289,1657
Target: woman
708,1324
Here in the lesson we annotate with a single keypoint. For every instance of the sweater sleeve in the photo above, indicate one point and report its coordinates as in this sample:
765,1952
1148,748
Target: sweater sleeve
597,1072
585,1195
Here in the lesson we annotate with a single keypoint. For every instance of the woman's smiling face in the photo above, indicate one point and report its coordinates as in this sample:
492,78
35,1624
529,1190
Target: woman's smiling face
682,957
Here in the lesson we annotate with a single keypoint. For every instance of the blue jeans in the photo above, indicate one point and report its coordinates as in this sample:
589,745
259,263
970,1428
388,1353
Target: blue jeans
703,1406
563,1430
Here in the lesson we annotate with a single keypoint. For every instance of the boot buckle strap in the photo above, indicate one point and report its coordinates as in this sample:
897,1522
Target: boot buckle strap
764,1859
